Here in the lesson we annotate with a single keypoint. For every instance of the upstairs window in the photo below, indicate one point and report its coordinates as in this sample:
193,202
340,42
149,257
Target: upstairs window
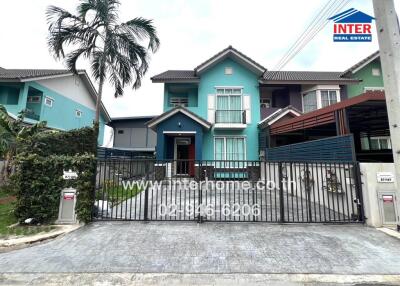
376,143
310,101
265,102
328,97
179,101
320,97
34,99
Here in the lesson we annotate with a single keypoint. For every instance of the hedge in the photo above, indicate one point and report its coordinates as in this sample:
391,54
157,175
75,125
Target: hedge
40,163
73,142
39,183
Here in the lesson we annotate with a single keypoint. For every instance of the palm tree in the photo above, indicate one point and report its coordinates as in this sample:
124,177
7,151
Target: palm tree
114,49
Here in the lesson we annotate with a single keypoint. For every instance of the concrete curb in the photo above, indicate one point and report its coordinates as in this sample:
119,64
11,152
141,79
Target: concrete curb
16,242
189,279
390,232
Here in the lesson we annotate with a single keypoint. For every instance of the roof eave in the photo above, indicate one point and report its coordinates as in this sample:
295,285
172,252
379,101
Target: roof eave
153,80
339,82
258,69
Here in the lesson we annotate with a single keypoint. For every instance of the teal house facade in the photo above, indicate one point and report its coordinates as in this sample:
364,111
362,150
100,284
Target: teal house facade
63,99
211,112
222,110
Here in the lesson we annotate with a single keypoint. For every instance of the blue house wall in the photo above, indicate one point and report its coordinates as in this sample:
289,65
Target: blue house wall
177,123
198,103
241,77
60,116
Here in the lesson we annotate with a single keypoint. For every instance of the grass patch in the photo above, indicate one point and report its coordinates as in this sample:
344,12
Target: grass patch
7,218
117,194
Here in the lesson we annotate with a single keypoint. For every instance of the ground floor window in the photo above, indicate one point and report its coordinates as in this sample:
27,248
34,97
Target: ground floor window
230,148
376,143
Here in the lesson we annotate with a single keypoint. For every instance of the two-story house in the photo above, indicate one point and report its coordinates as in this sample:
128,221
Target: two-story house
63,99
213,112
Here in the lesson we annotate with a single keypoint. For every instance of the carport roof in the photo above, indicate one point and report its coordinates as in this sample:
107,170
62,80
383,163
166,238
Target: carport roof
325,115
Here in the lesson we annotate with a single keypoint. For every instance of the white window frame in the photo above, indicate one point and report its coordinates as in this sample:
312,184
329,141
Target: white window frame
37,98
50,99
373,88
179,101
318,90
230,136
223,94
78,113
264,100
387,138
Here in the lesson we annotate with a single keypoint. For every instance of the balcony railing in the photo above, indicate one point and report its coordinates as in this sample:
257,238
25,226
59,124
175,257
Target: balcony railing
31,115
230,116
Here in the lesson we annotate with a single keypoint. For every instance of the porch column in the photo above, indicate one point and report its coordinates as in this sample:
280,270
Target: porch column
160,147
198,142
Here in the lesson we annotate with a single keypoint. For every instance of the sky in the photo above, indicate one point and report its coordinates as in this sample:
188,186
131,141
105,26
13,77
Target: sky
191,31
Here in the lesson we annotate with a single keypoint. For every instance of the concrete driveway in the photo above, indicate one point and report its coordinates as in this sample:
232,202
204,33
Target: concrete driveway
173,247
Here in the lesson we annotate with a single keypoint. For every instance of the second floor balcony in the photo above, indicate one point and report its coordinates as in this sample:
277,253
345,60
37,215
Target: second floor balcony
230,119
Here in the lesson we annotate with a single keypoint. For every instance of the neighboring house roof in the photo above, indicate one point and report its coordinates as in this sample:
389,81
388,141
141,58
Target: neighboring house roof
362,63
274,117
352,16
231,51
176,75
155,121
24,75
305,76
130,118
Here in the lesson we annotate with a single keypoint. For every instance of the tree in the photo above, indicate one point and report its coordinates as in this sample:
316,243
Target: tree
113,49
12,131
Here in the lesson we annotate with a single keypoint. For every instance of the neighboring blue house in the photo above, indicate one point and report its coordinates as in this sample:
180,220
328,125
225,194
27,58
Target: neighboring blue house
65,100
216,111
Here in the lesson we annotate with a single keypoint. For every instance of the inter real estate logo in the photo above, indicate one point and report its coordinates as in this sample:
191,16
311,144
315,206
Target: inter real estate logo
352,26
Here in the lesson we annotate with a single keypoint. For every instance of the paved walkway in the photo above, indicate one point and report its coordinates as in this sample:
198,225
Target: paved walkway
173,247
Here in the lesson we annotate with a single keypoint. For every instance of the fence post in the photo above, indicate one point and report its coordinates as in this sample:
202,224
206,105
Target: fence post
200,199
146,192
359,195
281,199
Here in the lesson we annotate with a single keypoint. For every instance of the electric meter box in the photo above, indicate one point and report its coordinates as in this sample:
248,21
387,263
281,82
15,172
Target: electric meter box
387,207
66,214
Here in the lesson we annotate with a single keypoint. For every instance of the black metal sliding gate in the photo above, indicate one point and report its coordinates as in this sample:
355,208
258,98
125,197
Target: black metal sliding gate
228,191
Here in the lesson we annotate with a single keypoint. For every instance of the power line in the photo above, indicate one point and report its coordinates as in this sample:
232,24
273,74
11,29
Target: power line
316,25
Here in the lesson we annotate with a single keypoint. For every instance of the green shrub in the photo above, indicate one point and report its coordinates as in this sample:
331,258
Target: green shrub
40,163
39,183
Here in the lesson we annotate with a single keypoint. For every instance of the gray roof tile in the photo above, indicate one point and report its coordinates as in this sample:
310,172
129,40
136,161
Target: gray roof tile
360,63
30,73
175,75
304,76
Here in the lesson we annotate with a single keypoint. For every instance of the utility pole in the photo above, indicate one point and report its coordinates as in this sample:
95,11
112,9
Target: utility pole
387,27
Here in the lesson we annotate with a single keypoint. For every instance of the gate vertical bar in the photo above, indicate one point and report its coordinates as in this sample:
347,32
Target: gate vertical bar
281,199
146,191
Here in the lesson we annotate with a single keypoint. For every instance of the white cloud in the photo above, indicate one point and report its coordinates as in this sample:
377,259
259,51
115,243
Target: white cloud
191,31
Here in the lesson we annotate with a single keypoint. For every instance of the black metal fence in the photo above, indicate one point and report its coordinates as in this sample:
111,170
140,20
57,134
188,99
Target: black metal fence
237,191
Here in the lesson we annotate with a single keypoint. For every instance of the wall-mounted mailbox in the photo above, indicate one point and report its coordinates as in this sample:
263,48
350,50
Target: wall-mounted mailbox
387,206
66,213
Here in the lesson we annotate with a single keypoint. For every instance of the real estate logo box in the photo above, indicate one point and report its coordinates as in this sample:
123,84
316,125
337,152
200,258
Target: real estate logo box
352,26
